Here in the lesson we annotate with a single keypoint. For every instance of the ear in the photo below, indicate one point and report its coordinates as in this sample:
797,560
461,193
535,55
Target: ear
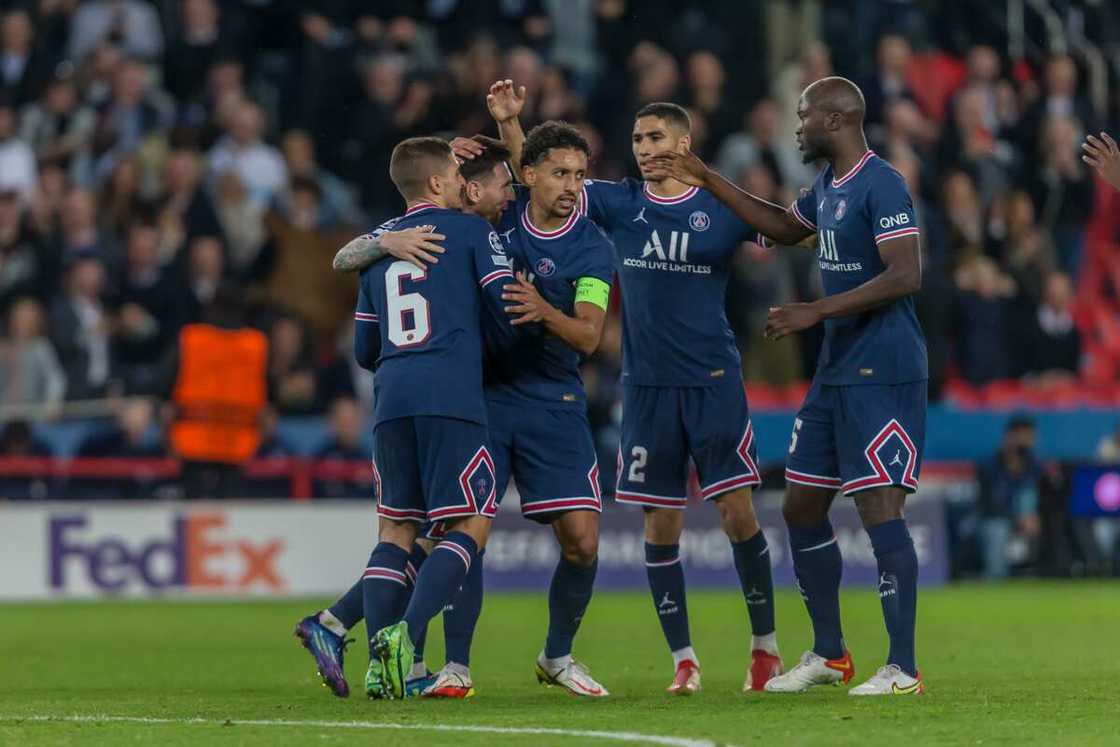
834,121
435,185
528,176
685,141
473,192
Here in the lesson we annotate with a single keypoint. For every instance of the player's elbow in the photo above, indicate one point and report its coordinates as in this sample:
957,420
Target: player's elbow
587,347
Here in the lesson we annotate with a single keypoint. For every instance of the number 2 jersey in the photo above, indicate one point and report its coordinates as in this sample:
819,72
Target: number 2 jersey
430,321
674,255
852,215
572,263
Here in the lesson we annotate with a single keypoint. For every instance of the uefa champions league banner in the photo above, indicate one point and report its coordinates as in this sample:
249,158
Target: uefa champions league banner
285,548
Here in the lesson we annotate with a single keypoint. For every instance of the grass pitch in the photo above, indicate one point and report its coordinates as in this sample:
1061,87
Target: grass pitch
1008,664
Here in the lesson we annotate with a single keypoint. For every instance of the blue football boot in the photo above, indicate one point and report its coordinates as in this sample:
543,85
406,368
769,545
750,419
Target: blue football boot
328,649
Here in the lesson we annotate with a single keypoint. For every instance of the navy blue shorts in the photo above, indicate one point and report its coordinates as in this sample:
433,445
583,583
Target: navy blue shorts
852,438
551,456
663,426
432,469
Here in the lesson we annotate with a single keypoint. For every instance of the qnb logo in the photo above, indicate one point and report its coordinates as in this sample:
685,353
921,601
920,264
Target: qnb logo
678,247
894,221
193,555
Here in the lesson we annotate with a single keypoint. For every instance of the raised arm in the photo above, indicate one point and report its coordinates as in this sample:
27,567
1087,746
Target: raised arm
505,103
902,277
775,222
416,245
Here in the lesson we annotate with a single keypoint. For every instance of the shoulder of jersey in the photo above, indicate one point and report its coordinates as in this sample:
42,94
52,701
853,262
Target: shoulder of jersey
882,168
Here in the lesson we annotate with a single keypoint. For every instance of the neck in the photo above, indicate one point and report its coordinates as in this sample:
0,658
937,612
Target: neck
847,156
543,219
425,200
668,187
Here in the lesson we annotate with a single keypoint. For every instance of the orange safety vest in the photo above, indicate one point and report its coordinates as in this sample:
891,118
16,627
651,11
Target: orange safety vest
220,392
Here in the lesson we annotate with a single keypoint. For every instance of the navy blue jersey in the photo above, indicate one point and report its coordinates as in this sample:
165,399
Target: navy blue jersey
428,322
852,216
541,367
674,256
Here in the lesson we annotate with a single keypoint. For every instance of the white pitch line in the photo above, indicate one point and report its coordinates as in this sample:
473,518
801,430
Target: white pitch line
614,736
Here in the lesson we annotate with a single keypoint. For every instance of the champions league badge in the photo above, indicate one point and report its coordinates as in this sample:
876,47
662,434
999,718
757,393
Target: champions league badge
545,267
699,221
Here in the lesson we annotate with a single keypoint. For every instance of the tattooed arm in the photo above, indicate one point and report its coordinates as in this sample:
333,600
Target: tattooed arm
416,245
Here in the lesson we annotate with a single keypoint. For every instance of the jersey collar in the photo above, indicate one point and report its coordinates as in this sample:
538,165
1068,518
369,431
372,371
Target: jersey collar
688,194
554,234
420,206
855,170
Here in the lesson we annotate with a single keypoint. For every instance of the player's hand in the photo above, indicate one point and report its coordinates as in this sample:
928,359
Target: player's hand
466,149
1103,155
793,317
684,167
417,245
504,101
526,301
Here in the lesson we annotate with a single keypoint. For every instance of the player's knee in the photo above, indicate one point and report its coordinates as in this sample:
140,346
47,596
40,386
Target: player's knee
805,509
399,533
663,526
581,550
476,527
880,505
736,514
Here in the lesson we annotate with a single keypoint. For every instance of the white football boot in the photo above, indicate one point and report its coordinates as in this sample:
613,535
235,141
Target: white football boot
813,670
573,677
450,682
891,680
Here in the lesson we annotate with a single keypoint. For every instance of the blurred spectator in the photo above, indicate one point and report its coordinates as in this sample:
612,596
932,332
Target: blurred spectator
964,212
347,427
291,374
815,63
17,161
706,78
891,79
184,199
258,165
133,25
1054,350
18,440
134,435
23,65
1008,499
80,329
1062,188
205,276
79,233
147,314
203,34
134,112
20,251
121,201
29,370
1060,99
336,204
760,143
983,293
58,127
242,222
303,253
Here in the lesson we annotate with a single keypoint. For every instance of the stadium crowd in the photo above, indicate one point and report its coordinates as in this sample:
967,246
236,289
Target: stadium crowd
158,159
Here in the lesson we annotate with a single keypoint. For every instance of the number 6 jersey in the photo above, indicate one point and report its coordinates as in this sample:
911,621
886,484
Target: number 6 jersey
428,323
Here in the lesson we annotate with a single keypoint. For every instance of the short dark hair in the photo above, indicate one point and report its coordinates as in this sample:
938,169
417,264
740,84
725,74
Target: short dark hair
414,160
482,166
674,114
548,135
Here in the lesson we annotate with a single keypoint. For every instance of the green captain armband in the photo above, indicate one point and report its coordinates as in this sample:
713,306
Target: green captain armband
593,290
